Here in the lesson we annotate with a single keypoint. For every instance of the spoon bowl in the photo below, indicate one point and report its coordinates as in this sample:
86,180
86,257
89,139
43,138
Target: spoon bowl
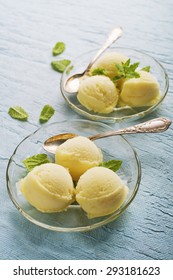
151,126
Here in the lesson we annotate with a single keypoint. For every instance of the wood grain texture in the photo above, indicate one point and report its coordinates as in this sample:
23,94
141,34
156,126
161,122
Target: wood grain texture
28,31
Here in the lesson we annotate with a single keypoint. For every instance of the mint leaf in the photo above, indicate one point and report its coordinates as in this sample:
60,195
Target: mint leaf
119,67
58,48
18,113
131,68
147,69
46,113
113,164
98,71
35,160
132,75
116,78
60,65
69,69
126,70
127,63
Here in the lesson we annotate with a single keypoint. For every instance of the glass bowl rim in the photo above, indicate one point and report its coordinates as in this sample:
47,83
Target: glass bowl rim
82,228
97,117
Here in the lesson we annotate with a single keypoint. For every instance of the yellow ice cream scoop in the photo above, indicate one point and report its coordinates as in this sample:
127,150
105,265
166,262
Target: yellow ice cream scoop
98,93
78,155
108,62
142,91
100,192
48,187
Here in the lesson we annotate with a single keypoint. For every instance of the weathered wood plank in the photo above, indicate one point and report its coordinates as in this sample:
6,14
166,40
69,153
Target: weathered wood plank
29,30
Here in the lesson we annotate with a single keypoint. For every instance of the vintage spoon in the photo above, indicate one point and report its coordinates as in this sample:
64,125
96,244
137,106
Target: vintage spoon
151,126
72,83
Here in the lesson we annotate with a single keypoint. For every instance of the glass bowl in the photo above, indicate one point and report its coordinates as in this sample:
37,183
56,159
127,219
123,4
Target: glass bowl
74,219
119,114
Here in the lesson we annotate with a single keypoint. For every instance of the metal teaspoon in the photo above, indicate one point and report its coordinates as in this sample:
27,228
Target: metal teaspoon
151,126
72,83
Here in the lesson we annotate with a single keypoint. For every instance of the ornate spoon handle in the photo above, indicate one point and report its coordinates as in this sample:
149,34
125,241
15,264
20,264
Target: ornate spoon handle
152,126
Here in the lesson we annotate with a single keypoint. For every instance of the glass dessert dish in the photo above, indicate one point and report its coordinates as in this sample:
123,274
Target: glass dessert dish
120,113
74,219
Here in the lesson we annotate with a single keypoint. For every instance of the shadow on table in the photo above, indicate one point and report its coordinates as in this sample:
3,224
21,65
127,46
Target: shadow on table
33,242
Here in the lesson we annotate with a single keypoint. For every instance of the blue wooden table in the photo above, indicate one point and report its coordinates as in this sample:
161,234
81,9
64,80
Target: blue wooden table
28,31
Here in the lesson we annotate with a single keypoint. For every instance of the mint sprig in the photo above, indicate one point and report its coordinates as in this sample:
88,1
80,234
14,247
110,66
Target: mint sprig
126,70
46,113
35,160
18,113
113,164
